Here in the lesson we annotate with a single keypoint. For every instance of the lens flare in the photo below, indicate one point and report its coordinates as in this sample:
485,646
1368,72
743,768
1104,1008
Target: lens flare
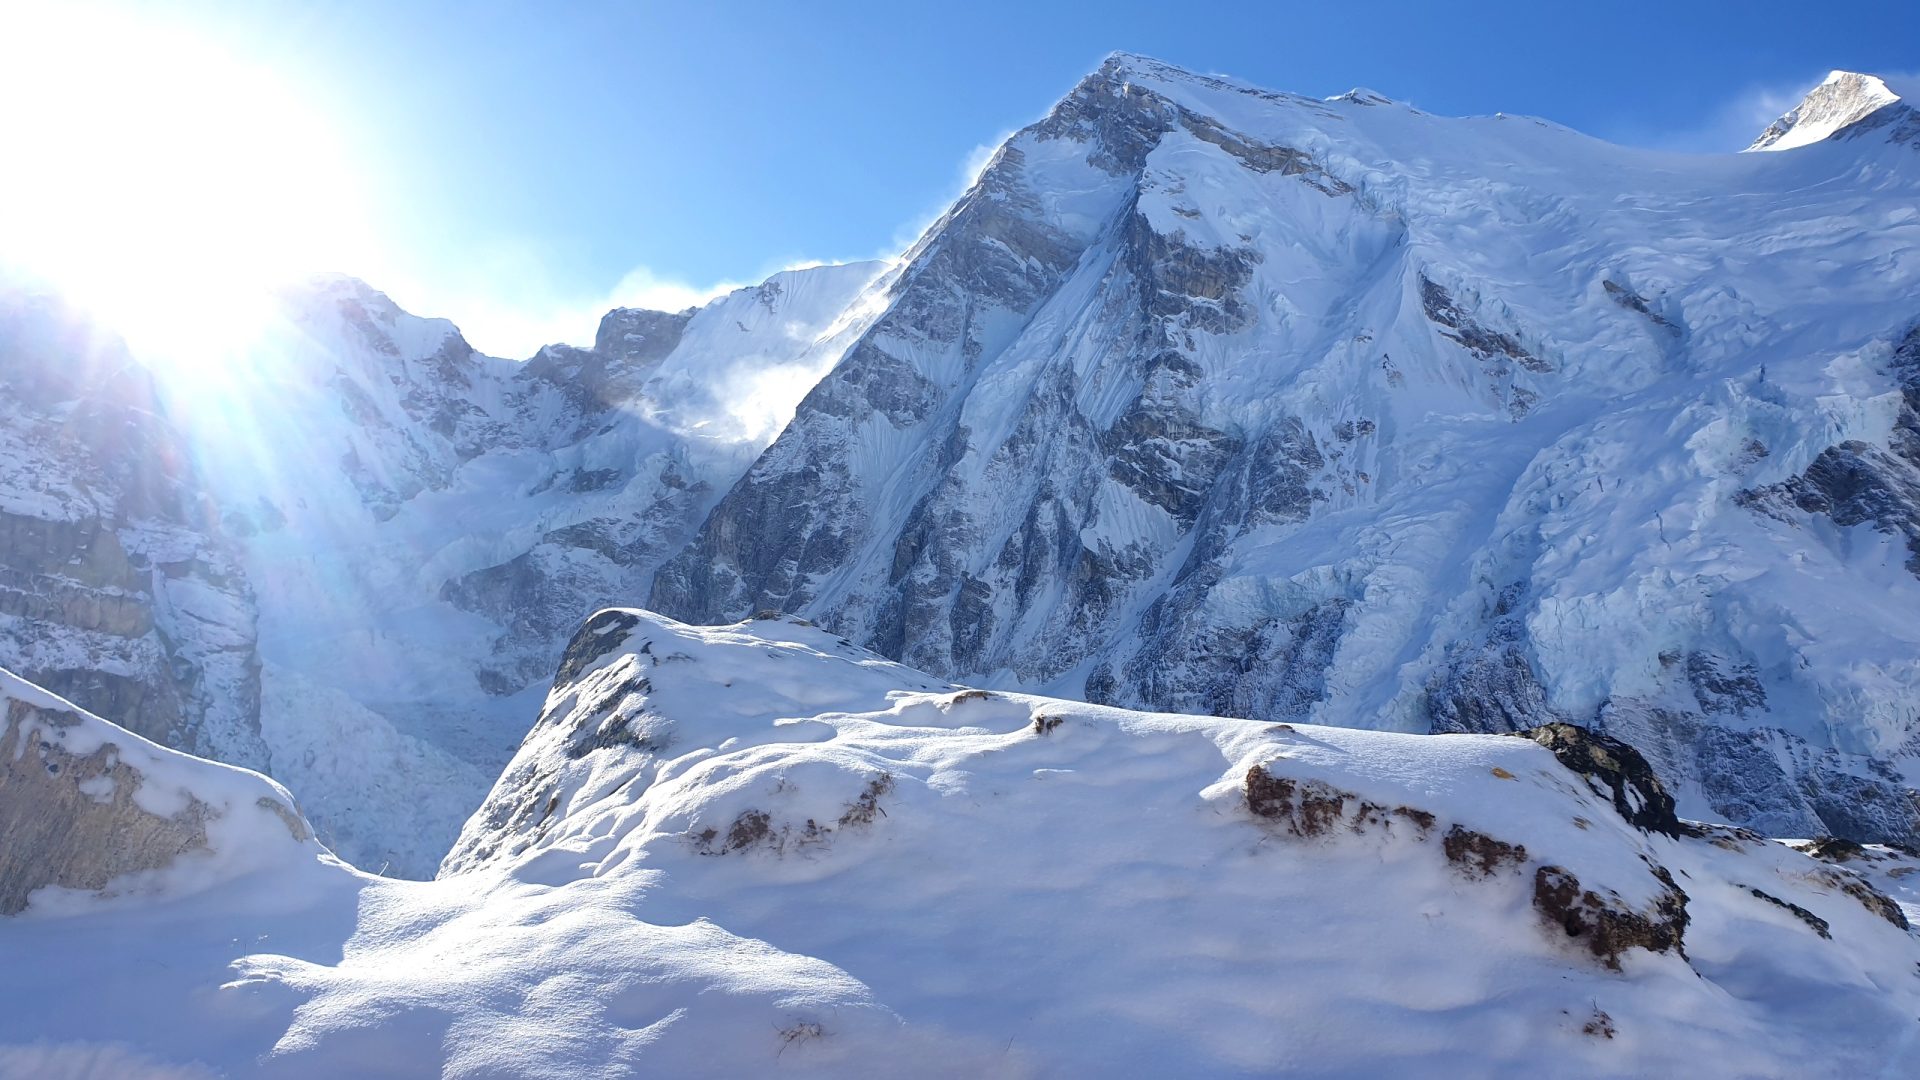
163,184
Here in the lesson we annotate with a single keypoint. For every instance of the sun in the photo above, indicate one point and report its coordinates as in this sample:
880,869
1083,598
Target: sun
161,182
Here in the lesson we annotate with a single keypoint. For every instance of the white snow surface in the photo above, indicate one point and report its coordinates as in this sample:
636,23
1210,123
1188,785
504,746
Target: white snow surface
945,887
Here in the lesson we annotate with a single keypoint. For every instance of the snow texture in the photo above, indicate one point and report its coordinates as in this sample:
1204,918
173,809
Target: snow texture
757,848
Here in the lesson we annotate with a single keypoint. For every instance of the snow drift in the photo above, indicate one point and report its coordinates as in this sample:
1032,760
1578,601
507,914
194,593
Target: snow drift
732,850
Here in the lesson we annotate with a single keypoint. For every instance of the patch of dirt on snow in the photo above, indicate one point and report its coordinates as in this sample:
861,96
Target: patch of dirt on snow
755,828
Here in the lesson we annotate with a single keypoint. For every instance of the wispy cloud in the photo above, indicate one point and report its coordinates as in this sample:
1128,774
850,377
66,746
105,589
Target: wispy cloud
644,288
506,305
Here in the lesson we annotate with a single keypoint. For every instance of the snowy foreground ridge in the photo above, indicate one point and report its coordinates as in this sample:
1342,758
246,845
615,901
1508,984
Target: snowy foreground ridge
757,849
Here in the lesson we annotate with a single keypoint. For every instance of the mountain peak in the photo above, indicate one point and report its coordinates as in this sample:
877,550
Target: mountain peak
1122,63
1360,95
1127,67
1844,99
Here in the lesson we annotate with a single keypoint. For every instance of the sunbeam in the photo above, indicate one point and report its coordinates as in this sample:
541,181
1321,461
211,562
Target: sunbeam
162,183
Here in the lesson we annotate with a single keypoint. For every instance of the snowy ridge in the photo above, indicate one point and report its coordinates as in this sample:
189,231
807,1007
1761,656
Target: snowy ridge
728,850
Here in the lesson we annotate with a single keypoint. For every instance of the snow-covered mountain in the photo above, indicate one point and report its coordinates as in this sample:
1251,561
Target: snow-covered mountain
1848,105
1213,399
350,554
1204,398
742,849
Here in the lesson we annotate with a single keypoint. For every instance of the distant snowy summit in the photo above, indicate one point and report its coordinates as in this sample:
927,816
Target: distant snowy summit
1845,105
1360,95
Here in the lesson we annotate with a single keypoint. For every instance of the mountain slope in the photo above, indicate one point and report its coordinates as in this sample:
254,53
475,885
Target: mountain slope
201,549
1213,399
477,508
737,849
118,586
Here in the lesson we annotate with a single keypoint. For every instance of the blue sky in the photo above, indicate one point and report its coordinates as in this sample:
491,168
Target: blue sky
523,164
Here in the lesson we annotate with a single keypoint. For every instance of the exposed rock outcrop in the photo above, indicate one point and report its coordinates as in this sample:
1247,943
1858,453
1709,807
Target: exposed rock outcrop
118,587
1604,925
1614,770
88,808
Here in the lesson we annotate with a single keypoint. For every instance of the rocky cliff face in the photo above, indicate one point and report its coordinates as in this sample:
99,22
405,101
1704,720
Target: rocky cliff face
1213,399
117,586
94,810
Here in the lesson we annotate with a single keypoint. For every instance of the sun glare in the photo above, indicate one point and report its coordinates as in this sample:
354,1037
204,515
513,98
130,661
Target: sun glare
162,183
